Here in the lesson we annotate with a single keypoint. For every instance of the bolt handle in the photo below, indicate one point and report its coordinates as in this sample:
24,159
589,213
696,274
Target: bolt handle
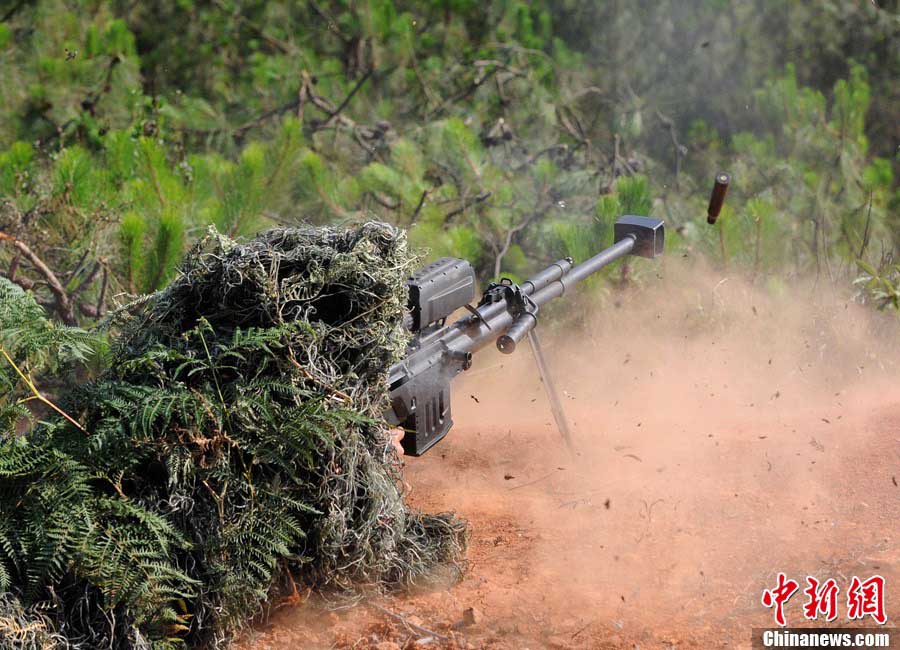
717,198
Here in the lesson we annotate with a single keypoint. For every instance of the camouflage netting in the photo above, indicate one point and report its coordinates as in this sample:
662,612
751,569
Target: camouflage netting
234,441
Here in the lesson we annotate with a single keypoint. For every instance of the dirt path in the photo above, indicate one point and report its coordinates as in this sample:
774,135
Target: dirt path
706,467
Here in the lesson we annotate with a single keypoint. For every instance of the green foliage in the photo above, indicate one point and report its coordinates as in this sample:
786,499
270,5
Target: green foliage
805,196
464,120
32,345
231,441
881,286
634,196
509,133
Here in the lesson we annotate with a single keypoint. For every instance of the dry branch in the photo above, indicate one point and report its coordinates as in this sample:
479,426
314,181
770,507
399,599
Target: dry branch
63,302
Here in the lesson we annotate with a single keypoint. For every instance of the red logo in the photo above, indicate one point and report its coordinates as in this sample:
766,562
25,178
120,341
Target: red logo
866,599
821,599
778,596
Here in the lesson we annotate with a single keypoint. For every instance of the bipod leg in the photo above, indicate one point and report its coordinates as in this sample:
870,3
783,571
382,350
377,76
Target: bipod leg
555,404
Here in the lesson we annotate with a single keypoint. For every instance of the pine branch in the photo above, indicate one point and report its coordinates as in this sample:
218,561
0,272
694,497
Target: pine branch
63,303
343,104
278,44
13,10
468,203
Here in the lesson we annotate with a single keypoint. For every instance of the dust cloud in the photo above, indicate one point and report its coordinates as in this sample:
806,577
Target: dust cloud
725,431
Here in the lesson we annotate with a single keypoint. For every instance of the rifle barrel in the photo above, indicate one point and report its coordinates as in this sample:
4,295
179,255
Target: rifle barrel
551,274
473,333
558,287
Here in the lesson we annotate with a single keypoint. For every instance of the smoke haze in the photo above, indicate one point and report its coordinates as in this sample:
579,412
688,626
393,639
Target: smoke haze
724,435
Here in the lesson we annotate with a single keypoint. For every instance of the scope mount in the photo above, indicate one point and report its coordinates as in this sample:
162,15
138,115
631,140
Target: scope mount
520,306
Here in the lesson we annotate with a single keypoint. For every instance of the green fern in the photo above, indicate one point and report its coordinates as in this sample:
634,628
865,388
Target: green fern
222,449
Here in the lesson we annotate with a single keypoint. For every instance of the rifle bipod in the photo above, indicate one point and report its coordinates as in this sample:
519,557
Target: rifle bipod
555,404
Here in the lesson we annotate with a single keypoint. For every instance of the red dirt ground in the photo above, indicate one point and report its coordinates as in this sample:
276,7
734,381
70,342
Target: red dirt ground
736,445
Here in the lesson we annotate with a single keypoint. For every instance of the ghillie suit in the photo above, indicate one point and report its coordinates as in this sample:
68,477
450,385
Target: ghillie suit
234,441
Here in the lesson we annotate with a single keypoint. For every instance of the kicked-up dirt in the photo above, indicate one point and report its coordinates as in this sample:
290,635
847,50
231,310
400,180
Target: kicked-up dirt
723,436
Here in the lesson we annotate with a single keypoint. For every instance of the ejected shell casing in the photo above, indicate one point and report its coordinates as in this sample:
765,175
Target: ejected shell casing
717,198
